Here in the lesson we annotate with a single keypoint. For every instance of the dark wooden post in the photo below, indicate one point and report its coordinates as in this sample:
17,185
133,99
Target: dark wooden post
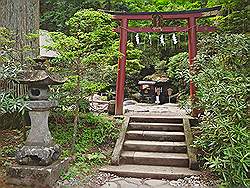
121,68
22,17
192,48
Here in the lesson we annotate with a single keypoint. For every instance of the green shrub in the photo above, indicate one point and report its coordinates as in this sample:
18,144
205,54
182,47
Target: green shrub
94,131
178,72
13,58
223,88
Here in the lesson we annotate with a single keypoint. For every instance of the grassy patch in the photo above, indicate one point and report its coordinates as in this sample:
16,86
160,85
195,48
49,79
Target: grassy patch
96,137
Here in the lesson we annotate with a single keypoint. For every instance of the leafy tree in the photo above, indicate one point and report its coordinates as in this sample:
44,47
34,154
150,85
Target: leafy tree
234,15
87,55
55,13
87,47
13,59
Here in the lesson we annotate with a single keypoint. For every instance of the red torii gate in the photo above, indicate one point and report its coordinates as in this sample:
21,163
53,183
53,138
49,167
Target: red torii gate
157,17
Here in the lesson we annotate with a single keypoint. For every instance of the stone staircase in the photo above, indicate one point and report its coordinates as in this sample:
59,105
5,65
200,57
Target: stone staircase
153,147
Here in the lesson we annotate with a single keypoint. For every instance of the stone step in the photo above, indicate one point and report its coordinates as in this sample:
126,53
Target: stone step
149,171
155,135
154,158
156,119
155,146
155,126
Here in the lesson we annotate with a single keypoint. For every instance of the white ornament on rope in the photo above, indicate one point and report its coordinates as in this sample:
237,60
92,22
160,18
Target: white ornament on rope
137,39
162,40
150,40
174,39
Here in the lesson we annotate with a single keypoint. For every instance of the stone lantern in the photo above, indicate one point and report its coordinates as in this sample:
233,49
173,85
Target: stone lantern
39,148
37,159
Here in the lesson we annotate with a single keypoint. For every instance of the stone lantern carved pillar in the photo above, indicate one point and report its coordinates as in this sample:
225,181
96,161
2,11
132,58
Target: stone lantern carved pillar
39,148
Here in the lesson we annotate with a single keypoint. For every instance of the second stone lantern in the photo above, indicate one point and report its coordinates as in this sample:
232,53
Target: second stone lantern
39,148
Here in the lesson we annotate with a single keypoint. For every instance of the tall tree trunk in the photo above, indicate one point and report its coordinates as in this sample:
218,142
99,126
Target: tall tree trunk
22,17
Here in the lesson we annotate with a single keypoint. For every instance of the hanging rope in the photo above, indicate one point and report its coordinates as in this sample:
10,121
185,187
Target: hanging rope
161,41
184,30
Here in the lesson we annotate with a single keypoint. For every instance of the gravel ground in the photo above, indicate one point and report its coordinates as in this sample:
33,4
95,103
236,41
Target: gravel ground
96,180
104,180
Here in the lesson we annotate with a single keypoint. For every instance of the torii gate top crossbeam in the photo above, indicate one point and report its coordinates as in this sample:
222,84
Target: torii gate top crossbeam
205,12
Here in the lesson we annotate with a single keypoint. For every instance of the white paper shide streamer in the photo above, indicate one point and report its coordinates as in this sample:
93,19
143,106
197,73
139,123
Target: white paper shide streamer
162,40
137,39
150,39
174,39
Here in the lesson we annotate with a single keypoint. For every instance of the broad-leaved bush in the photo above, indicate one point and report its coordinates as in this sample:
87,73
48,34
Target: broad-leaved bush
223,81
12,60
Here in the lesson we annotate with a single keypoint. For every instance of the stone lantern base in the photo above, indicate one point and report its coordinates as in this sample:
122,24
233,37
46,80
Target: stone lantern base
38,163
37,176
37,155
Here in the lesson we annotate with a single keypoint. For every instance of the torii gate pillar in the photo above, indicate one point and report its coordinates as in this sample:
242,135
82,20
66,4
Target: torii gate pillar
192,50
120,82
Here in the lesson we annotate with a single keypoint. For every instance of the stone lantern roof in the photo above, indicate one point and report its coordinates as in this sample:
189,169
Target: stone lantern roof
40,77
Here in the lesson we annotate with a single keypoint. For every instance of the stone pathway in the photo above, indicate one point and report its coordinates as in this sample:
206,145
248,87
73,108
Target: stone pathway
108,180
135,183
169,109
193,181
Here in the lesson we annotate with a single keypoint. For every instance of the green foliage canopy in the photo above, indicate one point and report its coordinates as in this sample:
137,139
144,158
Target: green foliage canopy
90,51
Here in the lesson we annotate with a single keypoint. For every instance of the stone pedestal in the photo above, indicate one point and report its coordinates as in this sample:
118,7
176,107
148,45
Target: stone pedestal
37,176
39,148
